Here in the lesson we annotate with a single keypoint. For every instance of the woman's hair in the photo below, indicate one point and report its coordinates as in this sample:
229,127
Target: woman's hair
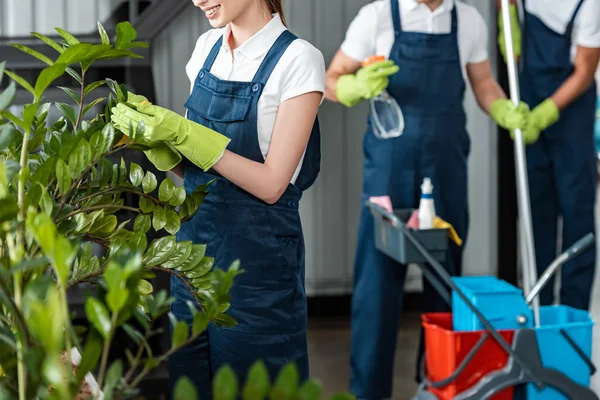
276,6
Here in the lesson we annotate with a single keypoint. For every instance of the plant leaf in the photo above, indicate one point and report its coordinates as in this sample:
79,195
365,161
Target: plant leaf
185,389
47,76
149,182
109,137
172,222
125,34
310,390
48,41
159,251
113,376
92,104
68,111
145,288
8,135
201,269
225,384
159,219
90,356
97,145
8,210
116,299
200,323
180,334
93,86
180,254
24,84
146,205
103,34
104,226
98,316
166,190
33,53
80,158
136,174
195,257
74,75
142,223
70,39
71,94
7,97
178,197
287,382
63,257
257,382
63,177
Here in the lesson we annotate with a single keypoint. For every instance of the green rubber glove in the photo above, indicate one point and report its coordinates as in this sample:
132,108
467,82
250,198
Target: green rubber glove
367,83
201,145
162,155
516,32
540,118
509,116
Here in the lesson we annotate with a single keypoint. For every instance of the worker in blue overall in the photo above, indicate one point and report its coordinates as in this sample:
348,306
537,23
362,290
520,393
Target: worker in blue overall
432,47
252,126
558,51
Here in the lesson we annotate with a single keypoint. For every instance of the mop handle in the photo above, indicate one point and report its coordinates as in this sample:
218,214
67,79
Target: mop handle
524,206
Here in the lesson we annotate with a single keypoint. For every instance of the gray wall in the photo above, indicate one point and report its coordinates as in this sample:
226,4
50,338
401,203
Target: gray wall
330,210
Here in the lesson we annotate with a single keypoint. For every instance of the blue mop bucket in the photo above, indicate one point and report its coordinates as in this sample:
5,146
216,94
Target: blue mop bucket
558,353
499,302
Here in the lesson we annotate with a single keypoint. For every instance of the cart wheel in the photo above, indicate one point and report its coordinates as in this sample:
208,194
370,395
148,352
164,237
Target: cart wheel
424,394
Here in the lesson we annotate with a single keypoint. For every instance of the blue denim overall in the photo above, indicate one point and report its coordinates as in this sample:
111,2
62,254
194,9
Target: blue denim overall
429,88
562,163
268,299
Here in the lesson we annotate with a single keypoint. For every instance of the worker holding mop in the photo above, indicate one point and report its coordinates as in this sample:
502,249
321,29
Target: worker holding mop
558,51
432,47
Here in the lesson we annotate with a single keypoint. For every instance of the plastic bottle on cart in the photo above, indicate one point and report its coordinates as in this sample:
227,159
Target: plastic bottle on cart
386,116
426,206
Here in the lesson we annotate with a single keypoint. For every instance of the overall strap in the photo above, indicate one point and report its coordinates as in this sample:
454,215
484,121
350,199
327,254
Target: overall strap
212,56
272,58
454,19
396,17
569,31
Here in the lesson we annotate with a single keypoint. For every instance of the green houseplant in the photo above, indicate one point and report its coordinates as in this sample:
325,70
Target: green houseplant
59,194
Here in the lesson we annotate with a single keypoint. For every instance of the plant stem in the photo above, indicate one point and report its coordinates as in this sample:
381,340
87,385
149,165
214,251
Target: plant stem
134,364
106,349
100,207
182,279
81,99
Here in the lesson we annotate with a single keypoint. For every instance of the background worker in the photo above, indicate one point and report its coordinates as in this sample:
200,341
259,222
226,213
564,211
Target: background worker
558,50
433,47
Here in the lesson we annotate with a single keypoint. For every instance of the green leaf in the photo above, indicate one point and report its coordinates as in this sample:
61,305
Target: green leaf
116,299
146,205
142,223
109,137
287,382
200,323
185,389
92,104
8,135
97,145
201,269
70,39
90,356
136,174
173,223
7,96
225,384
103,34
257,382
180,334
33,53
180,255
46,203
71,94
145,288
310,390
159,251
149,182
125,34
138,44
47,76
139,242
80,158
225,320
93,86
74,75
48,41
8,210
159,219
63,257
195,257
98,316
68,111
63,177
29,113
166,190
21,82
113,376
178,197
104,226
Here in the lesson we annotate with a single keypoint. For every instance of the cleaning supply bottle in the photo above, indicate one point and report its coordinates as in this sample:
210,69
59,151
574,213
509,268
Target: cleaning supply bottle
386,115
426,206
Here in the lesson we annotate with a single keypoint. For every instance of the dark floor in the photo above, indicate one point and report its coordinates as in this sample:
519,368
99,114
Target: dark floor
329,349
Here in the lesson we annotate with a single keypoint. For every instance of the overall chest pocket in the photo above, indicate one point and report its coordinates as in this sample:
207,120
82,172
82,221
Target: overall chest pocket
222,105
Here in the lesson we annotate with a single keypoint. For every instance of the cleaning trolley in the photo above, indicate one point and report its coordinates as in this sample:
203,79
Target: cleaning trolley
497,336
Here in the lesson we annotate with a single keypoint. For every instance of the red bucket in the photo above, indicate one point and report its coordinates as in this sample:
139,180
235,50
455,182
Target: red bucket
446,349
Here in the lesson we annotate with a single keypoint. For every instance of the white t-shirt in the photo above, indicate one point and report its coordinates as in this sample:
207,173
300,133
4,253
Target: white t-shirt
556,15
300,70
372,30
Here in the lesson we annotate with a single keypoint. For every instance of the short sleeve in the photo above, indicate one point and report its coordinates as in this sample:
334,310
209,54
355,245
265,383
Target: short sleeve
587,30
201,50
304,73
359,42
478,39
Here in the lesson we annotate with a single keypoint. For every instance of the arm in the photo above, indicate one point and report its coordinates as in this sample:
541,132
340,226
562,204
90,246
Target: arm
586,64
485,87
293,126
340,65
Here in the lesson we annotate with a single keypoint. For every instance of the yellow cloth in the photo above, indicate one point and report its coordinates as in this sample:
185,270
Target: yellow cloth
439,223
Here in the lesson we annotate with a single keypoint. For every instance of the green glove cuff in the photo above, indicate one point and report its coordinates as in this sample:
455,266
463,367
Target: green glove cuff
163,156
346,90
546,114
202,146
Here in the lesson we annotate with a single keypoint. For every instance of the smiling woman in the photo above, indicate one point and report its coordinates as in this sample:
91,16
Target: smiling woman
252,130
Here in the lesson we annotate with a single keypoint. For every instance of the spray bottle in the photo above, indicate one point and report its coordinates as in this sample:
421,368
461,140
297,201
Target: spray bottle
426,206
